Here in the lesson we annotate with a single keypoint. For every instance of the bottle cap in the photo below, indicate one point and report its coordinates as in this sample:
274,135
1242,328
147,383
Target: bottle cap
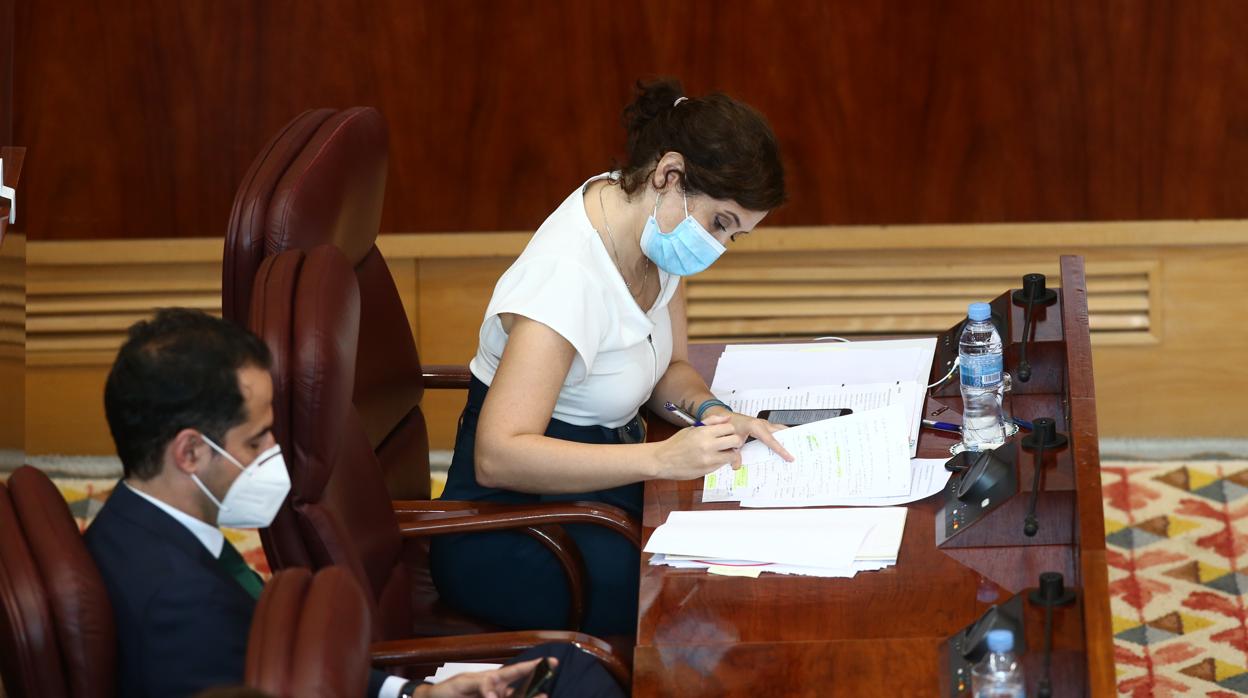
979,311
1000,640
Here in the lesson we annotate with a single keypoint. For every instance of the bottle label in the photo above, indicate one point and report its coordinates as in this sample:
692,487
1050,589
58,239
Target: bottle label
981,371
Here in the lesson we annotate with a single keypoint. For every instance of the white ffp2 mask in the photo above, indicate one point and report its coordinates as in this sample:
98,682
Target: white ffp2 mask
256,494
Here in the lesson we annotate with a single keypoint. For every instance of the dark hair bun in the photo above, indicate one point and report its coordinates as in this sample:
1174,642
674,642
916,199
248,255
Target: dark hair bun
729,150
653,100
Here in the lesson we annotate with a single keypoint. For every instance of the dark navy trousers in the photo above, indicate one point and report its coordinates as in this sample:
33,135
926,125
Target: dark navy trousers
508,578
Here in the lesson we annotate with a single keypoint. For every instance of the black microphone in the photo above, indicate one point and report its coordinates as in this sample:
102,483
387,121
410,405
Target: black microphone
1033,292
1051,592
1043,436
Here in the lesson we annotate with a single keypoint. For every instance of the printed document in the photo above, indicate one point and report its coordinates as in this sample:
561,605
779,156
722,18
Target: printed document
865,454
927,477
859,398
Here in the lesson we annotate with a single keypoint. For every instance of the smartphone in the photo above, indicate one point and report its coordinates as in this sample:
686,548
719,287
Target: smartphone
792,418
538,681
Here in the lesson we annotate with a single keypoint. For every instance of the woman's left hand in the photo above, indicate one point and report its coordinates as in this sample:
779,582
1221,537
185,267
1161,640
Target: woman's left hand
760,429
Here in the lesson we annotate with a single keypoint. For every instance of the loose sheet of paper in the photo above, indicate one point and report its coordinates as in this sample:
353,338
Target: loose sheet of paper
743,367
864,454
745,568
805,537
927,477
859,398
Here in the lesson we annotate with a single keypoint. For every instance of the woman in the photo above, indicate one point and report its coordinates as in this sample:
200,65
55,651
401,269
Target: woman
586,327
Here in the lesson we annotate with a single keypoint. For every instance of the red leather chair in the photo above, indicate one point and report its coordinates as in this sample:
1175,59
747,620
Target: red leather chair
310,636
307,308
321,180
57,636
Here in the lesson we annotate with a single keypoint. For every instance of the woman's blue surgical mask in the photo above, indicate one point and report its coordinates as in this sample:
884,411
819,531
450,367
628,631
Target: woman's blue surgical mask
687,250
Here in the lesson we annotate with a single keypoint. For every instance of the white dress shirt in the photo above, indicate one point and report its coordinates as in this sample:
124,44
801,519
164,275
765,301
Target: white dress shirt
211,536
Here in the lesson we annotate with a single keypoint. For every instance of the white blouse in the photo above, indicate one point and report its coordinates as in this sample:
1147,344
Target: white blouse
566,280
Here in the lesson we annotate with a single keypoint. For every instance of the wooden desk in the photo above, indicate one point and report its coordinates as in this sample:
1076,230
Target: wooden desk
882,633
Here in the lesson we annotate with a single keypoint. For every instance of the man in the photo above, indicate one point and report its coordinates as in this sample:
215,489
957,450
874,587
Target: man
189,404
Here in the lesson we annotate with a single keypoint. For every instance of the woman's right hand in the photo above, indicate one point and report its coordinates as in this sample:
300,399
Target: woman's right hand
695,451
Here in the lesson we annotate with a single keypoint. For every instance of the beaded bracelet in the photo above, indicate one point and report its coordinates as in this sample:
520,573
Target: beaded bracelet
708,405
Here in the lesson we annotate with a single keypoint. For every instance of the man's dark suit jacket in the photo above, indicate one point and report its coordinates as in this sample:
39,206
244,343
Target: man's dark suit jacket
182,621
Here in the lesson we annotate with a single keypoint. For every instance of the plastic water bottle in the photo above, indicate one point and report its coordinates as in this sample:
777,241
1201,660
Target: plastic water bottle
979,352
999,675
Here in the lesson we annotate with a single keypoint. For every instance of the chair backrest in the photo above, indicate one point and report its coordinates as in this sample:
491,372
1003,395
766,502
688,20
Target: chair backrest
57,635
310,636
307,309
322,181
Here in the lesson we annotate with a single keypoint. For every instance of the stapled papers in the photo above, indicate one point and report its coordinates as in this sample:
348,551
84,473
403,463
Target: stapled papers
812,542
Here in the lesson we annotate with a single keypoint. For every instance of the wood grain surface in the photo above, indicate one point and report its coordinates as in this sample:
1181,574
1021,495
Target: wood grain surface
879,633
6,71
145,115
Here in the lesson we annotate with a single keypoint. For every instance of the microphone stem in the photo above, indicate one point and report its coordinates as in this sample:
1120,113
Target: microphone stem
1024,366
1037,464
1045,689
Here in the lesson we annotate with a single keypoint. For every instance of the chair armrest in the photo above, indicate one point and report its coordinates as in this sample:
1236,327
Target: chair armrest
543,522
467,648
440,517
445,376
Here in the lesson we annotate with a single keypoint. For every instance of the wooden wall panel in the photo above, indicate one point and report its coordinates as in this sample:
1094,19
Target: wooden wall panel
12,342
143,116
1182,377
6,71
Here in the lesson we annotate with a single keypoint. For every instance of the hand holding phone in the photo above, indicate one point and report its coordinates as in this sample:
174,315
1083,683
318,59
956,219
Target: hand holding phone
537,682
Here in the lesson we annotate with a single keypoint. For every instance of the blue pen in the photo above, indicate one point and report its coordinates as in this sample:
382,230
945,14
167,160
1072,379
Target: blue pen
941,426
957,429
693,421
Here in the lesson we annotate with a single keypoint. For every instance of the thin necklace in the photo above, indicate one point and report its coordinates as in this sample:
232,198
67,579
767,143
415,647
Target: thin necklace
645,275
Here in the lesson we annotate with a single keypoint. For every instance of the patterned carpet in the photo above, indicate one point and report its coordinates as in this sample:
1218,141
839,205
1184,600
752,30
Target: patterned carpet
1176,533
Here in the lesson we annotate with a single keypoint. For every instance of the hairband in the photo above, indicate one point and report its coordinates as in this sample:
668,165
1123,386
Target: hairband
678,101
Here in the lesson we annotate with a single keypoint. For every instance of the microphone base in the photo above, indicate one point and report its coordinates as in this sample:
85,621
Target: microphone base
1067,598
1031,442
1048,297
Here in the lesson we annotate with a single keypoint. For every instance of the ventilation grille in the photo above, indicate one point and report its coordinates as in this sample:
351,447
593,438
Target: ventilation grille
12,297
761,302
80,313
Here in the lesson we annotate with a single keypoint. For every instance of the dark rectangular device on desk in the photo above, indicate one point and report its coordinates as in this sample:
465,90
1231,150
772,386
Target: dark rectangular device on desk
908,630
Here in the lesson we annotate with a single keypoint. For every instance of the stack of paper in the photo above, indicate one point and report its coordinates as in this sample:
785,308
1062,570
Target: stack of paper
857,375
812,542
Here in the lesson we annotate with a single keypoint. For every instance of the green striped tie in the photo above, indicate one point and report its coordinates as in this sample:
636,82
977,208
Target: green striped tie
237,568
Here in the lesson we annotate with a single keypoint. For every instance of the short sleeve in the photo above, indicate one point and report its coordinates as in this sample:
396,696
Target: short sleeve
562,295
